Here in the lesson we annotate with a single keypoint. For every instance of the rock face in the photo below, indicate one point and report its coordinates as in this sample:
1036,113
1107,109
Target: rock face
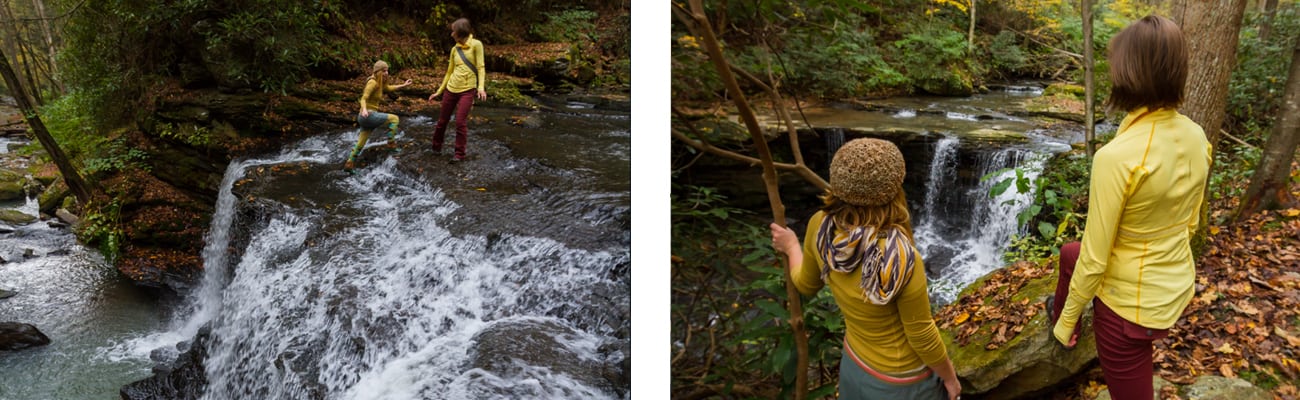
497,349
15,217
1030,362
182,379
1210,387
18,336
11,185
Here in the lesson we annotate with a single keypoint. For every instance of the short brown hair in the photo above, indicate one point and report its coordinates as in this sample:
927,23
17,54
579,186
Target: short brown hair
1148,65
460,28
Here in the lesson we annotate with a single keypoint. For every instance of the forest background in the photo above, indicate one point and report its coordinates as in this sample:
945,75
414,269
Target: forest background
730,334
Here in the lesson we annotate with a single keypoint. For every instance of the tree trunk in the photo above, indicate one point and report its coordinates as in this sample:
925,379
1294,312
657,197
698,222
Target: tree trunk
1210,28
51,52
970,35
721,64
1270,186
1266,23
70,175
1088,63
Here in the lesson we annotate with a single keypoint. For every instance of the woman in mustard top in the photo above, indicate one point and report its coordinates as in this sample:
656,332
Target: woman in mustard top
369,118
1146,189
463,82
860,244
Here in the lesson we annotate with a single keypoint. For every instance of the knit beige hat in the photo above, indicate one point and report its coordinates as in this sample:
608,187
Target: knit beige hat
867,172
378,66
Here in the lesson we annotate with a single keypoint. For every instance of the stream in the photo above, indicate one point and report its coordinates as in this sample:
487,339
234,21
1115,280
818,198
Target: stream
505,276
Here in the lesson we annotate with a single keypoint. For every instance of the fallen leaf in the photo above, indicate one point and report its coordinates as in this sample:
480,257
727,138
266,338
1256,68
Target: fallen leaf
963,317
1226,370
1291,212
1226,348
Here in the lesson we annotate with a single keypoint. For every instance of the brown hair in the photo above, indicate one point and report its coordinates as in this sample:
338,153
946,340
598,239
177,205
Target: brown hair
893,213
1148,65
460,29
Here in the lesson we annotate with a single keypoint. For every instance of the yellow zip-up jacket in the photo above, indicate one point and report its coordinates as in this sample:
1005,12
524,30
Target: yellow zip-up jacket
898,338
1144,203
460,77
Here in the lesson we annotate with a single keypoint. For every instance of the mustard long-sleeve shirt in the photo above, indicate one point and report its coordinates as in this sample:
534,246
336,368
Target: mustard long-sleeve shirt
373,94
1144,202
460,77
898,338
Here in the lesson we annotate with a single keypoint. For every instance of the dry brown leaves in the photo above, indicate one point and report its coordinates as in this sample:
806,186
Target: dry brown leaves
990,310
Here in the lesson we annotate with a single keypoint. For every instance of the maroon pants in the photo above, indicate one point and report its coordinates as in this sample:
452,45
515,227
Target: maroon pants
460,103
1123,347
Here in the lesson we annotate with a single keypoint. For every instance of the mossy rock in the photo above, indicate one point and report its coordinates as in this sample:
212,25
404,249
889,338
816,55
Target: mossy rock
1066,89
50,199
15,217
1026,364
957,82
12,184
997,135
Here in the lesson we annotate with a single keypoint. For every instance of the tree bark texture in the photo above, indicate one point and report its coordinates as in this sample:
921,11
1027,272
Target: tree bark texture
770,181
1210,28
1268,8
70,175
1270,186
1088,84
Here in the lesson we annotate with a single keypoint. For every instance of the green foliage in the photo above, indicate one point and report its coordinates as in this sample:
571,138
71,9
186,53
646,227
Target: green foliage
1258,83
266,45
934,58
1005,57
572,26
1233,168
1057,213
69,121
101,227
192,135
843,61
746,292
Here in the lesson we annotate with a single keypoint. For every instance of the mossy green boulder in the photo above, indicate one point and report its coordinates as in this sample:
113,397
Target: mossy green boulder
11,185
15,217
1027,363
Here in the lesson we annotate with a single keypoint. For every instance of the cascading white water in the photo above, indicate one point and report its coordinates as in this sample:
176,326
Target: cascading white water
374,299
970,241
945,158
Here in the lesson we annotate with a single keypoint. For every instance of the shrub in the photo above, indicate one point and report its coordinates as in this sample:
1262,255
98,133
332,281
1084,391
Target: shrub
1256,89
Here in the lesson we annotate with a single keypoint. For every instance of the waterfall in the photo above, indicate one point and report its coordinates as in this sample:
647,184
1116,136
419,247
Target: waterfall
942,168
834,140
977,228
374,298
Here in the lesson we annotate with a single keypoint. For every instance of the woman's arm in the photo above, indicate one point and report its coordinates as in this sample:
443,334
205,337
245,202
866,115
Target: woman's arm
1107,190
395,87
922,334
445,77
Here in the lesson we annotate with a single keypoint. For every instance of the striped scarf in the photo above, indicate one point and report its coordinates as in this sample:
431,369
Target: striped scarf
885,269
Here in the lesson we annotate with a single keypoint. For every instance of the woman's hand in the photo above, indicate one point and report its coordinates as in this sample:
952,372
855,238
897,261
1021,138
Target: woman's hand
365,113
408,82
435,95
953,387
784,239
482,95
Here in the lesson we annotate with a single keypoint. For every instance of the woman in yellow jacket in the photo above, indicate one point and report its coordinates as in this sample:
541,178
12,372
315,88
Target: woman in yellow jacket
369,118
463,82
1145,195
860,244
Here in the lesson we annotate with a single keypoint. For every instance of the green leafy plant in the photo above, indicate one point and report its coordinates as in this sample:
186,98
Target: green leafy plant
101,227
728,262
1057,213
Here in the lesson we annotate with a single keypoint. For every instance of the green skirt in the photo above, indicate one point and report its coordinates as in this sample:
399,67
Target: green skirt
858,384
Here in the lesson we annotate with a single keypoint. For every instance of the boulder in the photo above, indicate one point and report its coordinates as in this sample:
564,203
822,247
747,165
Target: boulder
15,217
183,378
502,347
12,184
1029,362
18,336
1211,387
67,216
4,294
53,195
1156,383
